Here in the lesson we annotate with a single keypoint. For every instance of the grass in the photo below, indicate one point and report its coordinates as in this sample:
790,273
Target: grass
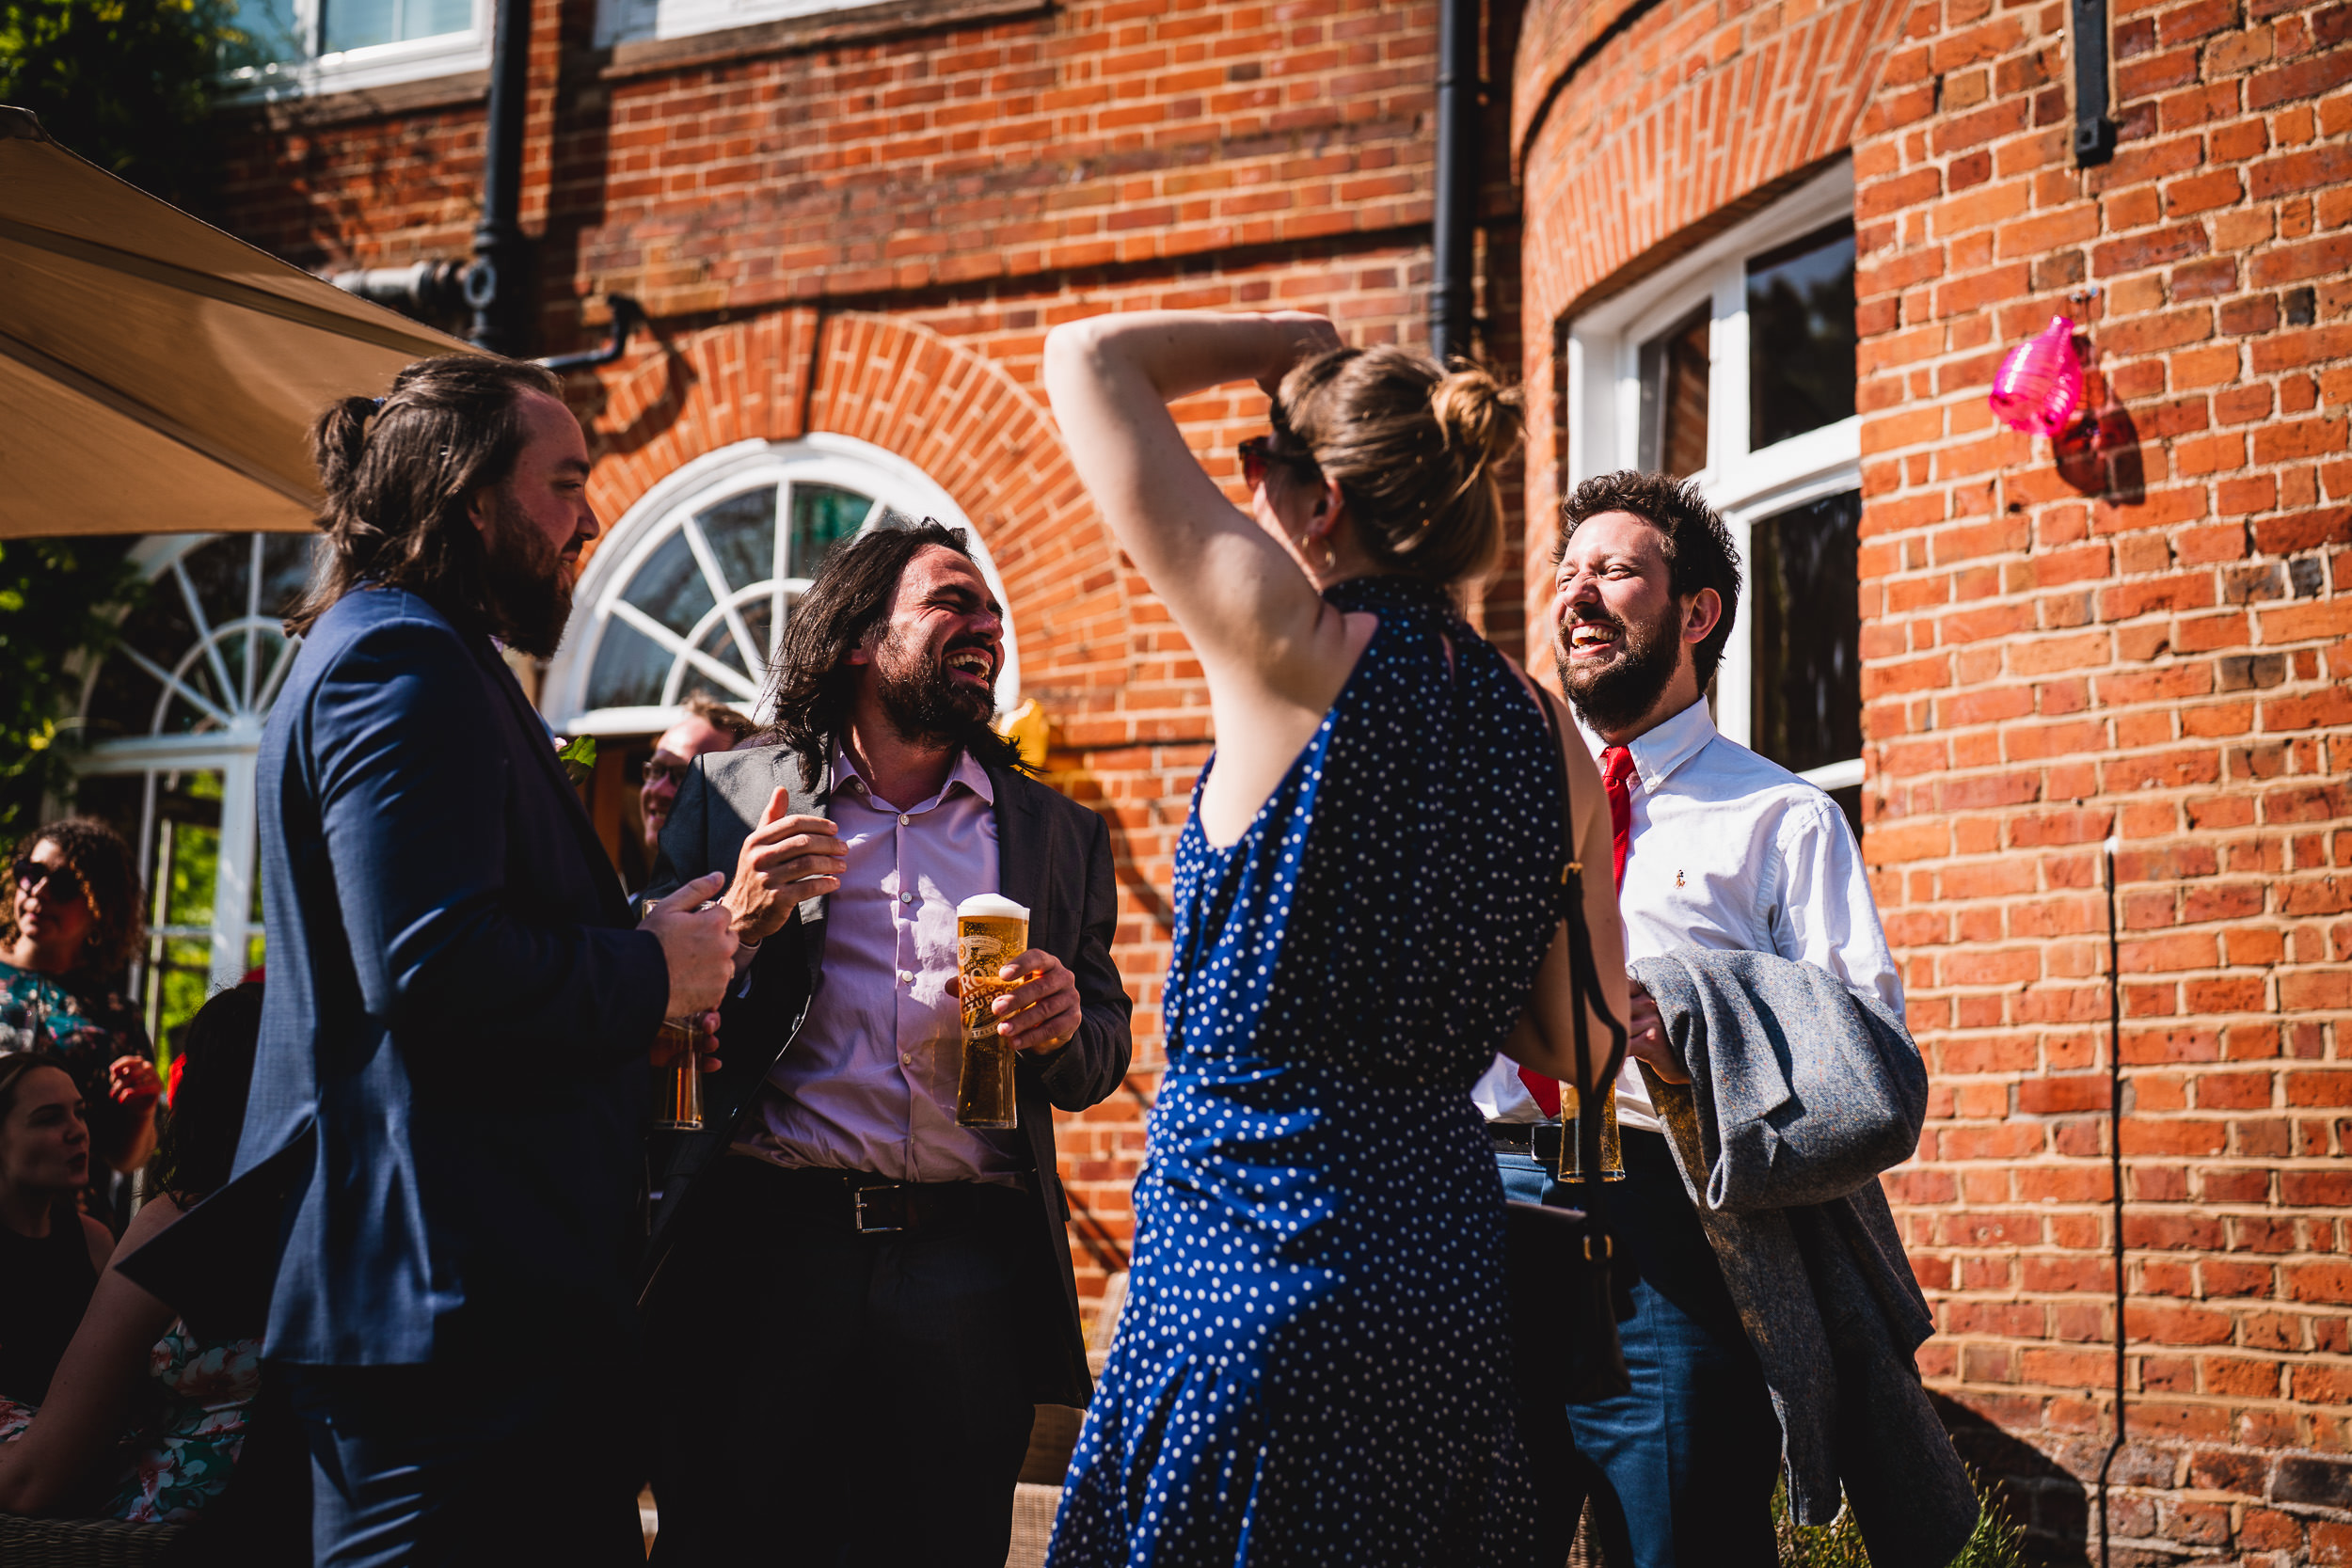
1996,1544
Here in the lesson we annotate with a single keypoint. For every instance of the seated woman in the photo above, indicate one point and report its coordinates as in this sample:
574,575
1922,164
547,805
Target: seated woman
142,1421
50,1252
69,926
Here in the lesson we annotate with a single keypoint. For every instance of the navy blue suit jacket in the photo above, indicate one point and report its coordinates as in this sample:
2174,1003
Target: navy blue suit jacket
451,1082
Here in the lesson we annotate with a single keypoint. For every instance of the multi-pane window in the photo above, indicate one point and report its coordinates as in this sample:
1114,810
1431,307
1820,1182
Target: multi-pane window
704,607
288,47
1735,366
174,718
693,587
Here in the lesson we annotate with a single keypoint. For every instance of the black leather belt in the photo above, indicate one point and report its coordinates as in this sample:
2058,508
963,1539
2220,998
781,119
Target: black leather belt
871,1205
1538,1140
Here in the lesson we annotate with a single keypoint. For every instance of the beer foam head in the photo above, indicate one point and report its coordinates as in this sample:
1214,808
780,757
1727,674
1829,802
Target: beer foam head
990,905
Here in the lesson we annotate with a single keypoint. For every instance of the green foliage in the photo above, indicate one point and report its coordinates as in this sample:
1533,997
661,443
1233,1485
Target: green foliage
1996,1544
57,596
579,757
127,83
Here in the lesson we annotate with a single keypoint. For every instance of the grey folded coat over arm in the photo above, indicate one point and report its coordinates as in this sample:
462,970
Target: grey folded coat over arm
1803,1089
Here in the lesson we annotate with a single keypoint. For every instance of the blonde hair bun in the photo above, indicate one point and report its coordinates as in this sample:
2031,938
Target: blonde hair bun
1414,448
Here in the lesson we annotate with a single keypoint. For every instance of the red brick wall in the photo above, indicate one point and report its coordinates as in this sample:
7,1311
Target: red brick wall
2148,638
1685,116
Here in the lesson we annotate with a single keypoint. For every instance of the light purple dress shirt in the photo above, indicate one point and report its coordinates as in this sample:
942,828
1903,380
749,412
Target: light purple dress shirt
871,1083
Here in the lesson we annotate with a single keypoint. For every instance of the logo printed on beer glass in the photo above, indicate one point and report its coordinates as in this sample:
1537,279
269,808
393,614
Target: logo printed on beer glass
990,932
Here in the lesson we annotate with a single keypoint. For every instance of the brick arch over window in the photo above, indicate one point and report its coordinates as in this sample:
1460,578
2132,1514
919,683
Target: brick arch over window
1642,129
958,416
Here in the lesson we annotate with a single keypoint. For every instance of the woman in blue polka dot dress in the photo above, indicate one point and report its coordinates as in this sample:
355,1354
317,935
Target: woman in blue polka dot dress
1314,1366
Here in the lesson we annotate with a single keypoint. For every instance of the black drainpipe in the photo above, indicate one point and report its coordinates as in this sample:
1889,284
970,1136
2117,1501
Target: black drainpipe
2094,133
1453,295
498,283
2115,1179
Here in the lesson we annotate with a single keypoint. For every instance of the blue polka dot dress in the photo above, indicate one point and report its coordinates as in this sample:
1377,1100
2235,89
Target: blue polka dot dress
1314,1366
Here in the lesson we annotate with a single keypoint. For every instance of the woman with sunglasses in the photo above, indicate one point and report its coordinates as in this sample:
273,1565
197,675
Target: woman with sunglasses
1313,1364
67,937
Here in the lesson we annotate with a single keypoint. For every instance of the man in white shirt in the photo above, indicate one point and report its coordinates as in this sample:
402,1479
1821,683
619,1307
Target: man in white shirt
1716,847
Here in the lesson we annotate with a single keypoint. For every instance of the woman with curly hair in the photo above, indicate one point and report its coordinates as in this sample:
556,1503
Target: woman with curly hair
67,937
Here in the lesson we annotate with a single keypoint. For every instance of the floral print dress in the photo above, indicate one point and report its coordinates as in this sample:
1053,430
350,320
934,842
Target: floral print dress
178,1459
82,1019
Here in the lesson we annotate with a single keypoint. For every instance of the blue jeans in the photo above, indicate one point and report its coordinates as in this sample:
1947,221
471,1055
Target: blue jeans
441,1466
1680,1469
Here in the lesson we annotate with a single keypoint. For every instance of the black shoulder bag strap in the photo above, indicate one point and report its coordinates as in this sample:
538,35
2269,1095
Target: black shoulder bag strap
1597,1369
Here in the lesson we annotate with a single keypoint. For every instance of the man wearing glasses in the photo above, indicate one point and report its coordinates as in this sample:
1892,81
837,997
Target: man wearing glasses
709,726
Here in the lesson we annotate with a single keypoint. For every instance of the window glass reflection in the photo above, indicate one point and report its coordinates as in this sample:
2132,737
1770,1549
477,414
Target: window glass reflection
1801,337
1674,374
822,516
1807,623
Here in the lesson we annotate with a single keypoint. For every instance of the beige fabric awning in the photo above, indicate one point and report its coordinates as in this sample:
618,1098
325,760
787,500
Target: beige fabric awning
157,376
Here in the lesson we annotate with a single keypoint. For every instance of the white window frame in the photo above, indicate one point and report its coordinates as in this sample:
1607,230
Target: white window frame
1604,386
651,21
232,750
380,65
820,458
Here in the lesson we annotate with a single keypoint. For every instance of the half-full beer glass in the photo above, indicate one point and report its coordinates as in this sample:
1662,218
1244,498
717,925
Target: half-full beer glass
1572,1140
678,1080
990,932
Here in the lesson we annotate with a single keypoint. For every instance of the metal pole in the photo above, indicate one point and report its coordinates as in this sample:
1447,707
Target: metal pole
2115,1179
496,281
1453,295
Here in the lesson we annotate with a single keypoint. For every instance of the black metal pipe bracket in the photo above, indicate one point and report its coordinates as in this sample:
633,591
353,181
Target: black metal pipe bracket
627,313
2094,133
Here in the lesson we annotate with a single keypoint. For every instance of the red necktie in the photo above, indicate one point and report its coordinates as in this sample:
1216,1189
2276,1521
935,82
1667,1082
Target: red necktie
1616,771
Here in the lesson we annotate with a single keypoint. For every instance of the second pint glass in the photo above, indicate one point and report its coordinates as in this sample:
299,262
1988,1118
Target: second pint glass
990,932
678,1080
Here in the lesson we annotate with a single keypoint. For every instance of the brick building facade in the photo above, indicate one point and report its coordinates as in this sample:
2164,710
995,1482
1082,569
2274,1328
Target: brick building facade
852,231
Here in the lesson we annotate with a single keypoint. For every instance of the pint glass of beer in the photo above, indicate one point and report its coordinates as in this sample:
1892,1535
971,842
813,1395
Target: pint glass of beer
678,1079
1572,1136
990,932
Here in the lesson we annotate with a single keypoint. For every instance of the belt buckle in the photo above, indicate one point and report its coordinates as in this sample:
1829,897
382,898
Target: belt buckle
1544,1143
888,1211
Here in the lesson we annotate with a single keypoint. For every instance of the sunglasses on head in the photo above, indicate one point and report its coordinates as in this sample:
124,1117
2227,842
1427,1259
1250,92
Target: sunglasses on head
1258,455
59,882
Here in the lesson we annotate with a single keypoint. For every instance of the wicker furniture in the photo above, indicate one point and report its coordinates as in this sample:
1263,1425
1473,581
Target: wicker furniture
82,1543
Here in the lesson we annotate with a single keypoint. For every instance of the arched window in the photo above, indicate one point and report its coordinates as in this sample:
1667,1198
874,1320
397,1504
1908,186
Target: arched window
693,585
174,719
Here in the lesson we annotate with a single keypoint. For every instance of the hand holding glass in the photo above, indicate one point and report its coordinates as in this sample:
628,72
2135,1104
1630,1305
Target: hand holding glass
990,932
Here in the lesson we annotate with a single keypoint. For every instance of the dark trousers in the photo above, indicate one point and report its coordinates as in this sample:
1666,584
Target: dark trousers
836,1399
443,1466
1680,1470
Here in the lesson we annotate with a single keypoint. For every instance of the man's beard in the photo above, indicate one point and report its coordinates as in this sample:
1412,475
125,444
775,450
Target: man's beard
1616,696
923,701
526,586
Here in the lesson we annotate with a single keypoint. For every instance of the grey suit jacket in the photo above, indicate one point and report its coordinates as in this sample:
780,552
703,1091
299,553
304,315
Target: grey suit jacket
1054,856
1801,1091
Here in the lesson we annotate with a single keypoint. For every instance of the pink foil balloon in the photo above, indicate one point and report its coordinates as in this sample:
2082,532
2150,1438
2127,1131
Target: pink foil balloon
2040,382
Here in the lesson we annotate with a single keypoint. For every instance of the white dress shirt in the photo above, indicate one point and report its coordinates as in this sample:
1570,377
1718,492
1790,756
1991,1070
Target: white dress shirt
1732,852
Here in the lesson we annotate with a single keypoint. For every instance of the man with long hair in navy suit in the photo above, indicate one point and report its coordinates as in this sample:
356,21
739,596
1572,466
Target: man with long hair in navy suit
452,1070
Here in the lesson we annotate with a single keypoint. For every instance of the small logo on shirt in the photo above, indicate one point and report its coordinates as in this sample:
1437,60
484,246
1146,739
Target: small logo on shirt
1677,879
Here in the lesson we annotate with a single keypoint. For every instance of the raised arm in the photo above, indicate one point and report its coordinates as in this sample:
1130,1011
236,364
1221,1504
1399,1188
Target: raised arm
1250,614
